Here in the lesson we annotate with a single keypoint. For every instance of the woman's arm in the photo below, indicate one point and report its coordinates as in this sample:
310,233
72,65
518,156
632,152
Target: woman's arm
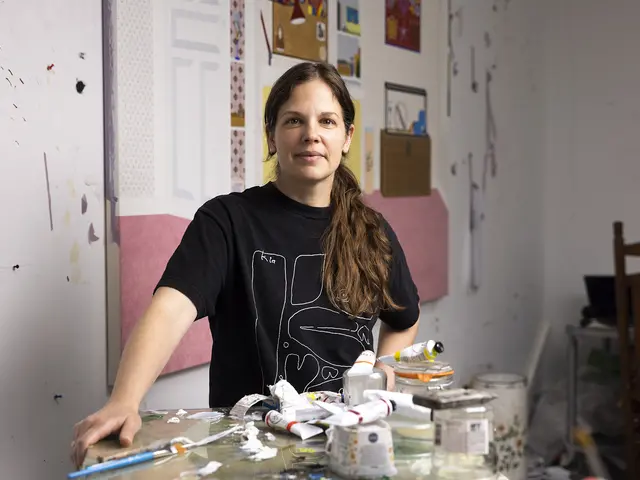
152,341
390,341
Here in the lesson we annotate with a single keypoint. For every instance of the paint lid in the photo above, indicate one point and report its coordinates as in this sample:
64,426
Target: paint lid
423,371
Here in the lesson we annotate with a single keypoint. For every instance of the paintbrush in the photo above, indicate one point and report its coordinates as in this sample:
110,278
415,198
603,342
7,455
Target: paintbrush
135,459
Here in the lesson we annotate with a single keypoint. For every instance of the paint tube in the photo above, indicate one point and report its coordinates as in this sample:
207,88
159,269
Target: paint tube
323,396
306,414
289,400
365,413
364,363
418,352
275,419
404,403
243,405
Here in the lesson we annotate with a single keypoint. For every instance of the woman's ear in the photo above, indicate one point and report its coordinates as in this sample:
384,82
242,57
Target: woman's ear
271,144
347,142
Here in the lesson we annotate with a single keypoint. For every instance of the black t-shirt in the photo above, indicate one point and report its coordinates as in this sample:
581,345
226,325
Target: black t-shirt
252,263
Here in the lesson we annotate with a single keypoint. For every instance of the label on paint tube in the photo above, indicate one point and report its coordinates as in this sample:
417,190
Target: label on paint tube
470,437
241,408
418,352
275,419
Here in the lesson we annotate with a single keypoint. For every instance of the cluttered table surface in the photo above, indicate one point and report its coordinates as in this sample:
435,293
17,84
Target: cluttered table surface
365,431
294,459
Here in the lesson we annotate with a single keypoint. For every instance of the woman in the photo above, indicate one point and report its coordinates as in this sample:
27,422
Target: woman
292,275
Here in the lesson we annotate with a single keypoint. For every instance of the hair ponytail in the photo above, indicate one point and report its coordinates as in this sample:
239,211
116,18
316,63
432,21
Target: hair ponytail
357,251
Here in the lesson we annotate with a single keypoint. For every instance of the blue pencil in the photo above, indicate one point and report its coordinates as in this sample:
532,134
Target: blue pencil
120,463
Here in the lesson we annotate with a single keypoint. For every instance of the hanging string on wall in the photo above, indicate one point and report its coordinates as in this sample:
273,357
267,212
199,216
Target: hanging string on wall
491,135
476,217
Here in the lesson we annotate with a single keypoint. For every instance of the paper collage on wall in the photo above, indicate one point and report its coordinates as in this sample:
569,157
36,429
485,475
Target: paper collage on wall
402,24
236,30
300,29
349,54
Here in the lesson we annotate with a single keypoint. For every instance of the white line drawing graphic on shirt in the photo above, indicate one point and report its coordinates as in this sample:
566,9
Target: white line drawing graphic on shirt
314,319
269,258
319,256
299,363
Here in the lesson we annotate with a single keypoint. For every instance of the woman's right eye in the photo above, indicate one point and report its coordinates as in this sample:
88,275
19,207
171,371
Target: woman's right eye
292,121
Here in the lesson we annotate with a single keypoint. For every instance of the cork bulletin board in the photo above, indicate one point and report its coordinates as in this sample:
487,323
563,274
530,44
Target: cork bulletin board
300,29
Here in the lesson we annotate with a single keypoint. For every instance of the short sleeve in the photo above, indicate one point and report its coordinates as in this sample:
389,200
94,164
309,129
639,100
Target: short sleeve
198,266
401,287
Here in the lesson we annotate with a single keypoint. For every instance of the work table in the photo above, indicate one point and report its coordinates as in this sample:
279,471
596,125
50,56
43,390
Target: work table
295,459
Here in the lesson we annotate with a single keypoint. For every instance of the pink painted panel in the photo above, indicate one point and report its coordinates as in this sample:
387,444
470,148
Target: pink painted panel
422,227
146,244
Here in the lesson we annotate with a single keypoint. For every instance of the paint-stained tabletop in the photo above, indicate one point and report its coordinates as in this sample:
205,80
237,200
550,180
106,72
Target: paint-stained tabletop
295,459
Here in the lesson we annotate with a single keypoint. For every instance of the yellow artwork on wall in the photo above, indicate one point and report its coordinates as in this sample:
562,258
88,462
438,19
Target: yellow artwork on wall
267,167
354,158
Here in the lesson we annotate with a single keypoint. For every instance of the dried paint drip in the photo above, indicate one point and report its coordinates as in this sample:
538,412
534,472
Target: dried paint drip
83,204
80,86
46,174
92,234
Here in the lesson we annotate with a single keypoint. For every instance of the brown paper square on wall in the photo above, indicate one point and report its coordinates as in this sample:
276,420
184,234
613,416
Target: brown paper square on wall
405,165
405,145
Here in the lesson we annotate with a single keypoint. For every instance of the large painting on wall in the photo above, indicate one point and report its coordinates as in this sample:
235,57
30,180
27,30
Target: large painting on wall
300,29
169,145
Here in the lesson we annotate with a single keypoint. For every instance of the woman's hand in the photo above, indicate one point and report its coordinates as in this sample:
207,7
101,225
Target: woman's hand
391,377
112,418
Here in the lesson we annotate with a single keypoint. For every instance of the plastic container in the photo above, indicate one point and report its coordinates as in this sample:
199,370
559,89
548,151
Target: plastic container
363,451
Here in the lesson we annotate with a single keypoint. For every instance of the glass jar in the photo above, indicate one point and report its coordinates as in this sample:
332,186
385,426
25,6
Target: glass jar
418,378
462,443
413,436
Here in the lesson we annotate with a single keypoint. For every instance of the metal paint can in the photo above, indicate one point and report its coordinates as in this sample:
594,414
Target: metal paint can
362,451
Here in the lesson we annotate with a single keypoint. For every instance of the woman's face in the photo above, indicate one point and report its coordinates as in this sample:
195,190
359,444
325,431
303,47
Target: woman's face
310,136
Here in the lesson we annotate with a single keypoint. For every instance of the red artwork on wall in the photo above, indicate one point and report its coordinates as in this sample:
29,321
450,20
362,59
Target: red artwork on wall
402,24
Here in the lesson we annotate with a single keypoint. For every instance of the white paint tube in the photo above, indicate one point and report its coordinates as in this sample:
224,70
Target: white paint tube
288,398
364,413
418,352
404,403
275,419
364,363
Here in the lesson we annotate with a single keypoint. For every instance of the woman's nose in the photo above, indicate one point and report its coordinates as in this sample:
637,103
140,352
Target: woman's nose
311,133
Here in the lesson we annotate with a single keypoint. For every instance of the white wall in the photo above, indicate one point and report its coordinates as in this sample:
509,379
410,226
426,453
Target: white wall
52,309
492,329
592,168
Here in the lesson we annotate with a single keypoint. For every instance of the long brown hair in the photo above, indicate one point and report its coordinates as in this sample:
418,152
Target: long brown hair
356,247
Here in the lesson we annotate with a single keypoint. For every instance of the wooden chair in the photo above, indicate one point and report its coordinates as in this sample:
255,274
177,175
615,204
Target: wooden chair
628,316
